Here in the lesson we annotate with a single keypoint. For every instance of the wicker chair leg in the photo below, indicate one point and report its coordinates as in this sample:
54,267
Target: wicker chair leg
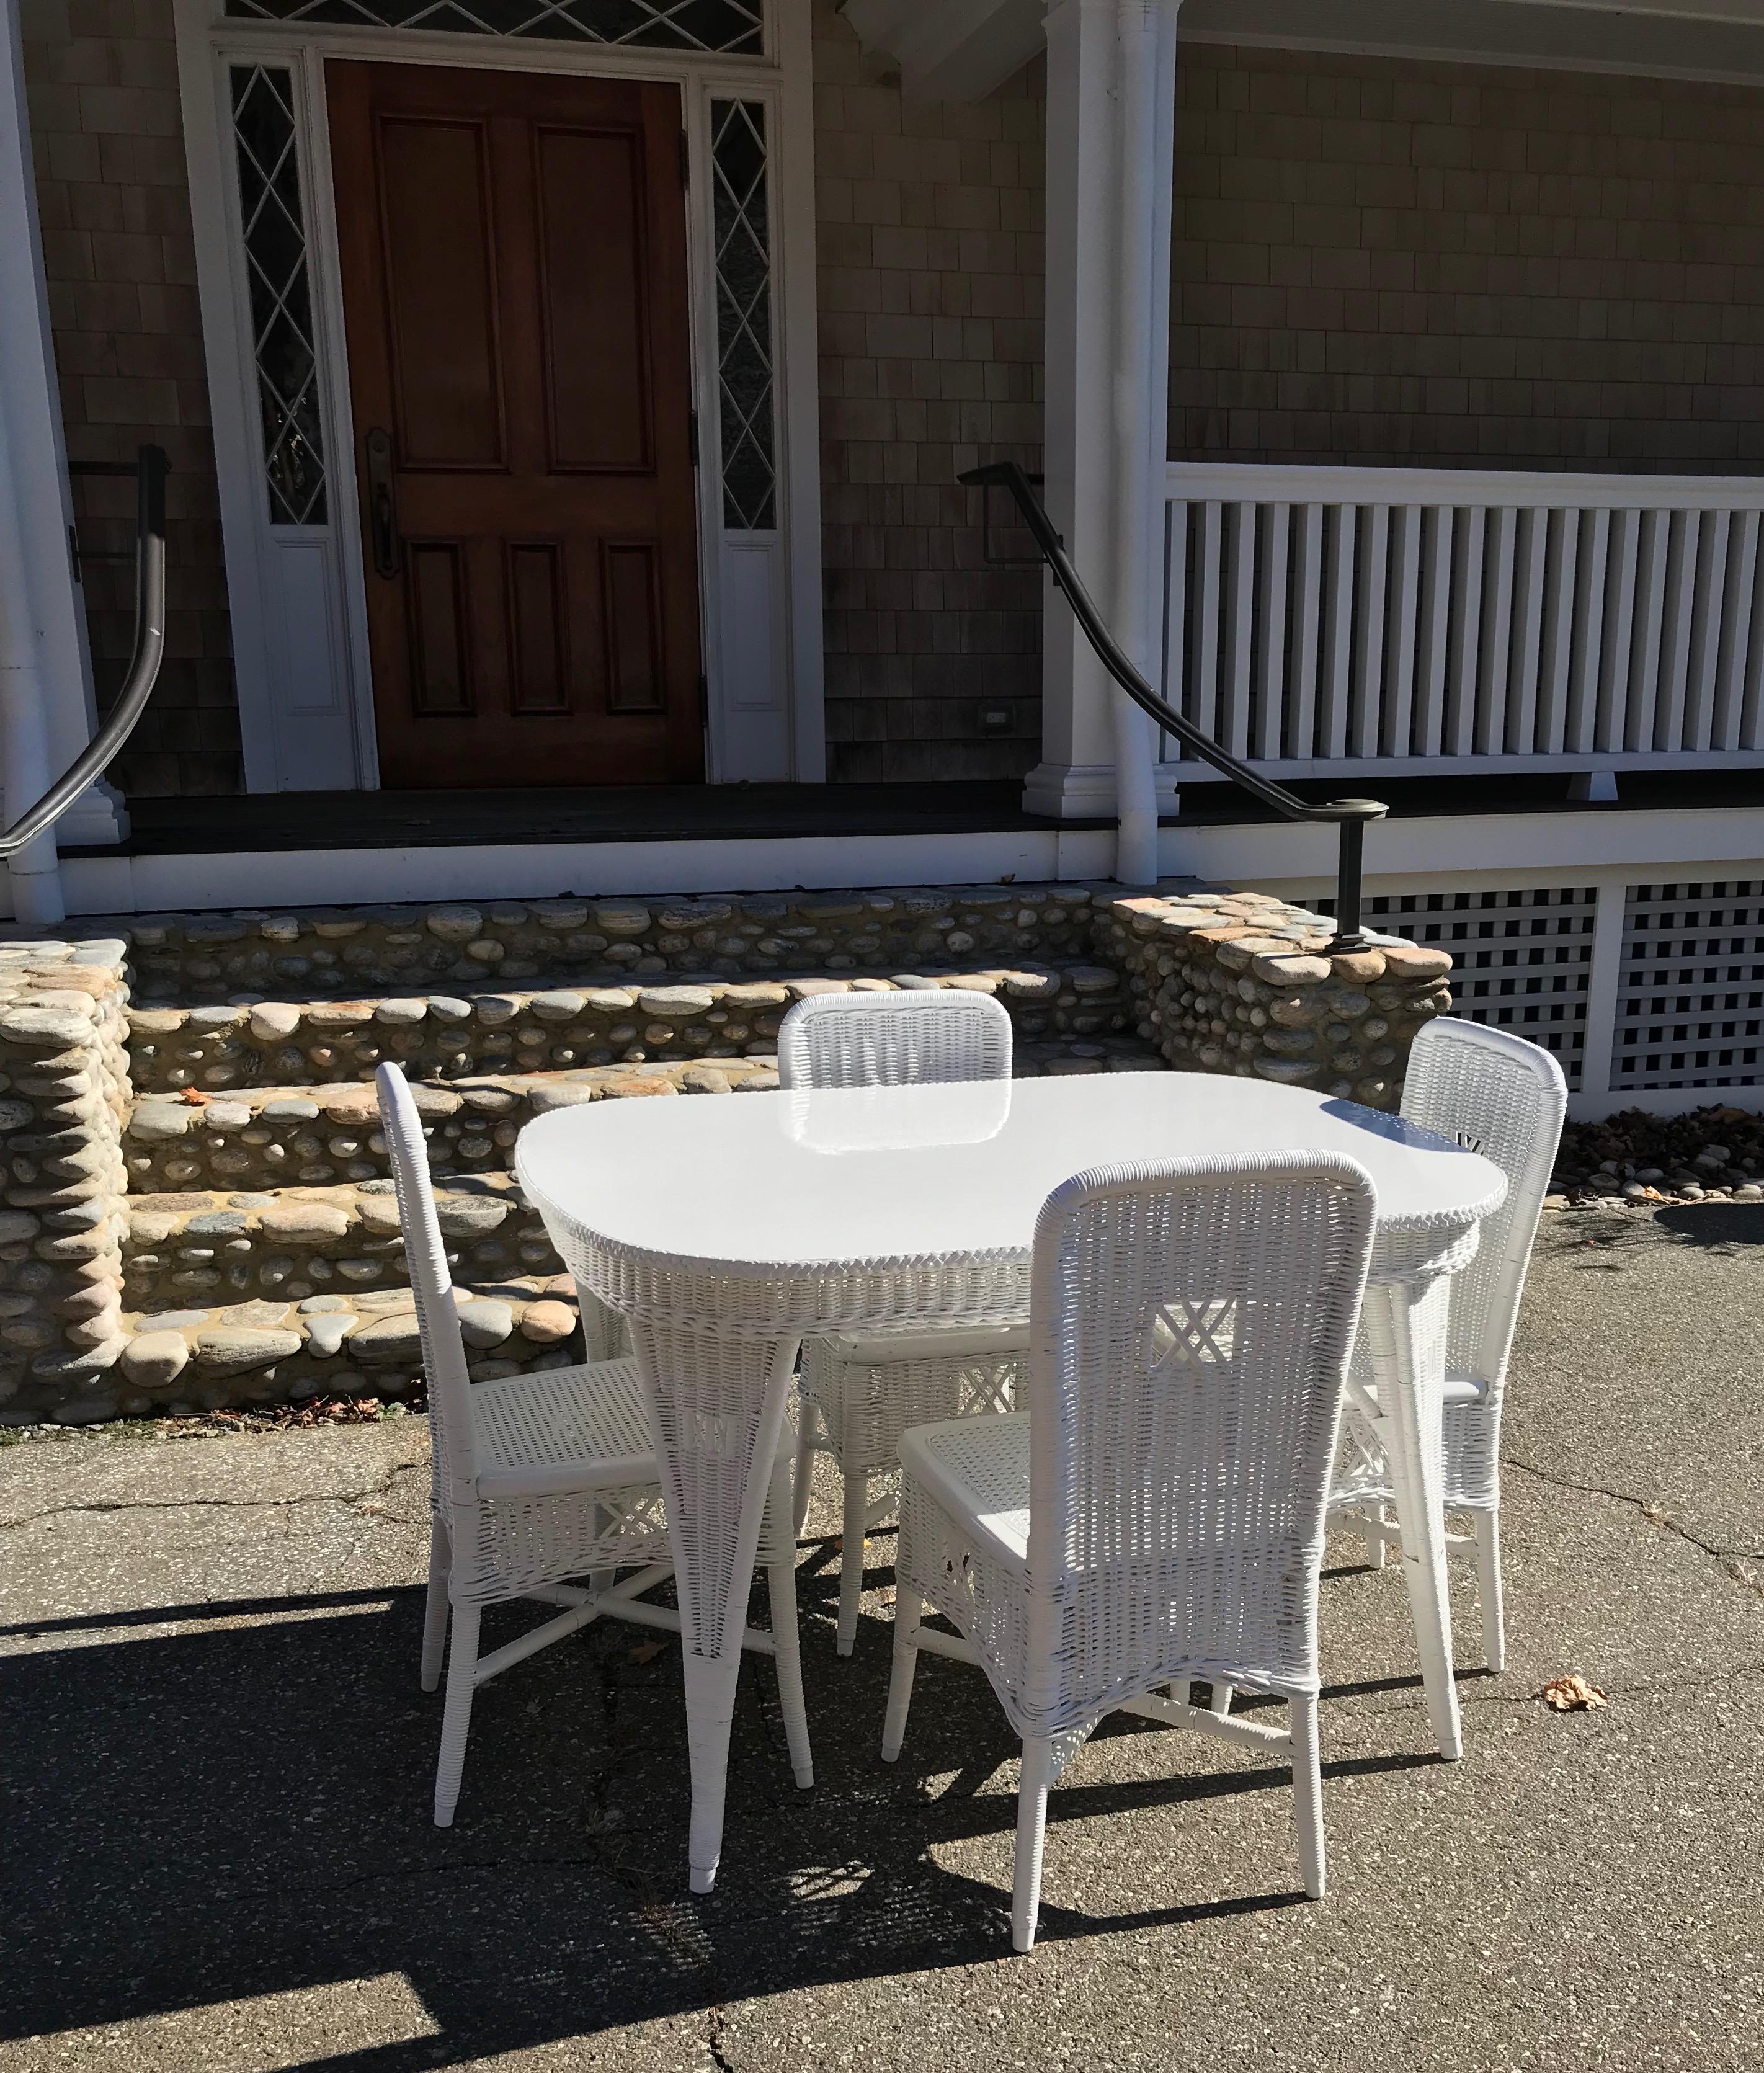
1377,1547
456,1715
1222,1698
1032,1800
780,1584
1308,1796
909,1610
1488,1583
857,1517
803,1482
434,1610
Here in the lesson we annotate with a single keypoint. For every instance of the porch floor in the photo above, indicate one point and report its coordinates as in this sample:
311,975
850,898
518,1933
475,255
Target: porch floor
703,813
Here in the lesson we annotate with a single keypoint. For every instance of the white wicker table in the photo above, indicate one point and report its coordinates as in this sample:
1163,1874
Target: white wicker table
724,1230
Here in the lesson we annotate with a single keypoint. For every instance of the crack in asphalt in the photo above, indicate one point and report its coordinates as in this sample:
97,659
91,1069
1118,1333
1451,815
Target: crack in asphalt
1656,1514
382,1488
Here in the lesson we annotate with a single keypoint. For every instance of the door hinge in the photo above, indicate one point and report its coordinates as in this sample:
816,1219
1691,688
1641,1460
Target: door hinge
704,699
685,160
692,436
73,552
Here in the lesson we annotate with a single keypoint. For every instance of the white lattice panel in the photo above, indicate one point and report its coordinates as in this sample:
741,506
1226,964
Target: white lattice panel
1690,1010
1522,960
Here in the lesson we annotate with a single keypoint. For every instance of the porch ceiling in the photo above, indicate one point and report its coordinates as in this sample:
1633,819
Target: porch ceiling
961,50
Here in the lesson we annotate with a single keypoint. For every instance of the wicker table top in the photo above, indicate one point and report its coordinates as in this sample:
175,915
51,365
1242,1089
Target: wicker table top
793,1181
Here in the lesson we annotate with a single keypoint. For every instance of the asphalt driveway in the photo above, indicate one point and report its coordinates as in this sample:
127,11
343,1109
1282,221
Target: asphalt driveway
215,1764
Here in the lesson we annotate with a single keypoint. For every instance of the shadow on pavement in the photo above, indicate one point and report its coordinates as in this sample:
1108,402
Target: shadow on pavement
231,1810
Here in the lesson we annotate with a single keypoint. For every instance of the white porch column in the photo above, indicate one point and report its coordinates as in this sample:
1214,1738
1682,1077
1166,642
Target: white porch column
1111,125
47,711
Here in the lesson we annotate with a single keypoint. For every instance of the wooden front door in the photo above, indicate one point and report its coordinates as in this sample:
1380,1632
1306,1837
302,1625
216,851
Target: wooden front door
514,289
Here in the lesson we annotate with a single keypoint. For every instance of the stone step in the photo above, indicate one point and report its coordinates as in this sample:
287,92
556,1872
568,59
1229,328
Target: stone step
189,959
320,1136
358,1343
289,1244
251,1040
276,1137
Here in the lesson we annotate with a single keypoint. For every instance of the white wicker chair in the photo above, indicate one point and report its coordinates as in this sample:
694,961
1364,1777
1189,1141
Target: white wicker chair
865,1389
538,1477
1504,1098
1157,1514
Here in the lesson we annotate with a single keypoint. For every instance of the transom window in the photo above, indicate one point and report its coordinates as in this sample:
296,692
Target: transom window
727,26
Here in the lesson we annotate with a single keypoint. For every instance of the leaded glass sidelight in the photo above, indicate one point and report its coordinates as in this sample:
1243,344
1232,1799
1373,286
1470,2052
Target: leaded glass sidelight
281,333
727,26
743,297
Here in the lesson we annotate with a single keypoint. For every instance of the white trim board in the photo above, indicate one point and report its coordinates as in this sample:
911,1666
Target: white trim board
296,594
1707,42
1445,853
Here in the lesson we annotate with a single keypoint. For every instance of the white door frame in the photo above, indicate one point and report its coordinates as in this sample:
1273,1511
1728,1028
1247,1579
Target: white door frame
297,594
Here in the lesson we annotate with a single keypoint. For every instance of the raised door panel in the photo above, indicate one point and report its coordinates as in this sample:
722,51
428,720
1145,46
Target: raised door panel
449,406
595,307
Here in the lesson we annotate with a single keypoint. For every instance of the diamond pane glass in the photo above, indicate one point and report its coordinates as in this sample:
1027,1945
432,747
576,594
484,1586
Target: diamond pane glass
743,293
275,255
729,26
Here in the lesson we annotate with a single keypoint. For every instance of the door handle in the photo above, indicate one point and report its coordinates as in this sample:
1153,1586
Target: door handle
383,512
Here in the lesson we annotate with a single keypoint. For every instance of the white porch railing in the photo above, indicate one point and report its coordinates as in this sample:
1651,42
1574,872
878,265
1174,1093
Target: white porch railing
1334,621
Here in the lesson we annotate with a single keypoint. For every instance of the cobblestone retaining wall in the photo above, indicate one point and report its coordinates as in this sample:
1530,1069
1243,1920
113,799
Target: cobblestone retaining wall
1243,983
197,1208
64,1095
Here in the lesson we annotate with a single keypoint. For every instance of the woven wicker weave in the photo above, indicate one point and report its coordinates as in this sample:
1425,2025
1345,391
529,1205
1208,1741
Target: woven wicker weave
1157,1514
1504,1098
864,1390
537,1479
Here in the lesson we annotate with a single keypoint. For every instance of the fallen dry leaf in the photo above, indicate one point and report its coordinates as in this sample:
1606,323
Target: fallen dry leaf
1572,1694
194,1096
646,1651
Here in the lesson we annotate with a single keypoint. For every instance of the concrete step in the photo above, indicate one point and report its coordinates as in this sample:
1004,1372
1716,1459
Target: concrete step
252,1041
358,1342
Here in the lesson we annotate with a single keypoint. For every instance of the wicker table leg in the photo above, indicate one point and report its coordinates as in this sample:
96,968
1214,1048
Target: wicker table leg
1405,1329
717,1403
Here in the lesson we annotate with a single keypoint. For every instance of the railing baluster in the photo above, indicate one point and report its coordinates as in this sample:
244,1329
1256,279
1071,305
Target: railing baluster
1393,735
1678,617
1650,626
1372,613
1588,642
1560,558
1469,550
1708,621
1530,556
1497,660
1338,630
1176,618
1307,631
1271,667
1736,630
1204,685
1433,650
1752,701
1234,727
1614,669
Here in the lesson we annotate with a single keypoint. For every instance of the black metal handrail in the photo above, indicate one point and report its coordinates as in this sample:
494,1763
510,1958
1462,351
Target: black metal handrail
149,468
1350,814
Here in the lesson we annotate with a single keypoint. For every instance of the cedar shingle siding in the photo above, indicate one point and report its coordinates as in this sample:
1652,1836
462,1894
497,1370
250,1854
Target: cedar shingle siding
1386,262
102,81
929,231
